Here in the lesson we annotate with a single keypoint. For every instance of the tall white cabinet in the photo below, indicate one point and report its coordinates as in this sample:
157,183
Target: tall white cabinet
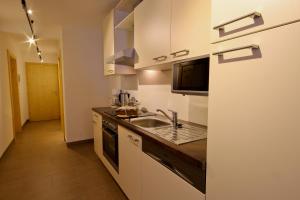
254,109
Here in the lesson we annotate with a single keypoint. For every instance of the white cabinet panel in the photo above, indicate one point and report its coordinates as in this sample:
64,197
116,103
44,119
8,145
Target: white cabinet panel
273,12
130,152
152,20
160,183
254,112
97,128
190,28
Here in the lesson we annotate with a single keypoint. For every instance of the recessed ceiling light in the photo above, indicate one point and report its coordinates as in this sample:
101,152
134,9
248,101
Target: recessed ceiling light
31,41
29,11
39,53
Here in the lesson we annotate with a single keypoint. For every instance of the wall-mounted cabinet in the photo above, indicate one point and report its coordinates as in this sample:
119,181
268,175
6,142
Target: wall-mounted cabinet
152,32
170,30
118,44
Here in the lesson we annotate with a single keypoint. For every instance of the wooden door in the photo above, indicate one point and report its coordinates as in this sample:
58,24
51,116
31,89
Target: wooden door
43,91
14,88
152,21
190,28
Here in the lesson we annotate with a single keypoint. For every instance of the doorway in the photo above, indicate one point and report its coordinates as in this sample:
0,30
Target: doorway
14,92
43,91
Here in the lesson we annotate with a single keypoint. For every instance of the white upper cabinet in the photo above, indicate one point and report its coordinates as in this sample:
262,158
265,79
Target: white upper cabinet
152,32
170,30
190,28
108,42
236,17
115,40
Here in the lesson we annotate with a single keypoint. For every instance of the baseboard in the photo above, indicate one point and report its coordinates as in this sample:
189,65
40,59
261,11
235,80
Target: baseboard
80,142
8,147
26,122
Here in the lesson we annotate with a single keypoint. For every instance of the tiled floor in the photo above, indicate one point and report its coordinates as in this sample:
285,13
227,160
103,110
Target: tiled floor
39,166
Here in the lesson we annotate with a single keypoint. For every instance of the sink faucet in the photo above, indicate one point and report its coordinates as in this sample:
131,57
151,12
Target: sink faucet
174,118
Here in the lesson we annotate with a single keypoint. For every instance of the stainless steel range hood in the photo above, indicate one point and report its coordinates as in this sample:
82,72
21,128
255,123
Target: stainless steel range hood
124,57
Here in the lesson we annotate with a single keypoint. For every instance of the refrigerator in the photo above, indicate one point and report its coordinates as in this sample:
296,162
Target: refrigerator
254,107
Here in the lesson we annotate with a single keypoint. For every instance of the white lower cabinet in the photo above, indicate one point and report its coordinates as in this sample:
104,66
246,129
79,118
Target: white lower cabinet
130,155
160,183
97,129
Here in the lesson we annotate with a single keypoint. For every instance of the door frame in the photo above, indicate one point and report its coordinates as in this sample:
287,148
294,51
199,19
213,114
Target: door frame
15,106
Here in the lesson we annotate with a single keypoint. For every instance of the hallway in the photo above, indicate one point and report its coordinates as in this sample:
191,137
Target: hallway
39,166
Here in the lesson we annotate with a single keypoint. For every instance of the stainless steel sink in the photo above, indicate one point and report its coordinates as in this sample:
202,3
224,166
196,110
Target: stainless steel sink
150,123
181,135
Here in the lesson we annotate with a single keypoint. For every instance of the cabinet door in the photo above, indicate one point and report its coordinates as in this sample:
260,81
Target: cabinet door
97,128
273,12
190,28
152,19
254,112
130,151
160,183
108,42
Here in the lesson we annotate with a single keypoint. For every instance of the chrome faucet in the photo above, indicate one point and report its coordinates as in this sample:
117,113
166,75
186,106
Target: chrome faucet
174,118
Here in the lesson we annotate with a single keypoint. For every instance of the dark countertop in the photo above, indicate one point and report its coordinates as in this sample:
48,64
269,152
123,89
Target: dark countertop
193,152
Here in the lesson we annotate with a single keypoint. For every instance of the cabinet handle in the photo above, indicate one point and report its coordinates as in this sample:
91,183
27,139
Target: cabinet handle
130,137
160,58
253,15
219,53
181,53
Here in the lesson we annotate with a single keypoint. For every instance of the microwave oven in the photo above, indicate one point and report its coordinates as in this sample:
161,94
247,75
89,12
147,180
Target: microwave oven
191,77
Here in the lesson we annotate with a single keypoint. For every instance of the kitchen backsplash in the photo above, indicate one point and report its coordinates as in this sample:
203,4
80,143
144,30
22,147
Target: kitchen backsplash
154,91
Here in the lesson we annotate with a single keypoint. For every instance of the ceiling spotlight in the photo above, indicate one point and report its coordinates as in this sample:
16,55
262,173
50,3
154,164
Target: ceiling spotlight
39,53
31,41
29,11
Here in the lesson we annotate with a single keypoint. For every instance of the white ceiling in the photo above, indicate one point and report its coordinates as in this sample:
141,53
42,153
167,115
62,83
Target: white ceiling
49,16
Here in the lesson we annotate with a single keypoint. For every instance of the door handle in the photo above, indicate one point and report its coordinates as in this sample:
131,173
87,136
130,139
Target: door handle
181,53
253,15
219,53
160,58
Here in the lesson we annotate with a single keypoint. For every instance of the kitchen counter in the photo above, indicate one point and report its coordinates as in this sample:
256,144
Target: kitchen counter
193,152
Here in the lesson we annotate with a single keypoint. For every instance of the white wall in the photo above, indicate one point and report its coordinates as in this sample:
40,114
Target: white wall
6,126
154,91
84,84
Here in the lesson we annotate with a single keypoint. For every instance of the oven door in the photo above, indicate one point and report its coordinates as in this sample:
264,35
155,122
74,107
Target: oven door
110,147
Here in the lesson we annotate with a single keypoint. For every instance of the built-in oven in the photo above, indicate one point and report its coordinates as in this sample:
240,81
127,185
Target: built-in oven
110,142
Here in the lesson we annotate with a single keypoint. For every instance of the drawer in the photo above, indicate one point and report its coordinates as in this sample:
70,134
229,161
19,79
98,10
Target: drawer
249,16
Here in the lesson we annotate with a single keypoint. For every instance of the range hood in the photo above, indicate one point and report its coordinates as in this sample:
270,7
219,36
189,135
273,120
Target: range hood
124,57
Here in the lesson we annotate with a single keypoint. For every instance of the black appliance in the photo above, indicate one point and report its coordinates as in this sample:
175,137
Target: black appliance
191,77
110,142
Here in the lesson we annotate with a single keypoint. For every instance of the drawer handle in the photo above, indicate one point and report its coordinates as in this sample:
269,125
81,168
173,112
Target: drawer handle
180,53
219,53
130,137
253,15
160,58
